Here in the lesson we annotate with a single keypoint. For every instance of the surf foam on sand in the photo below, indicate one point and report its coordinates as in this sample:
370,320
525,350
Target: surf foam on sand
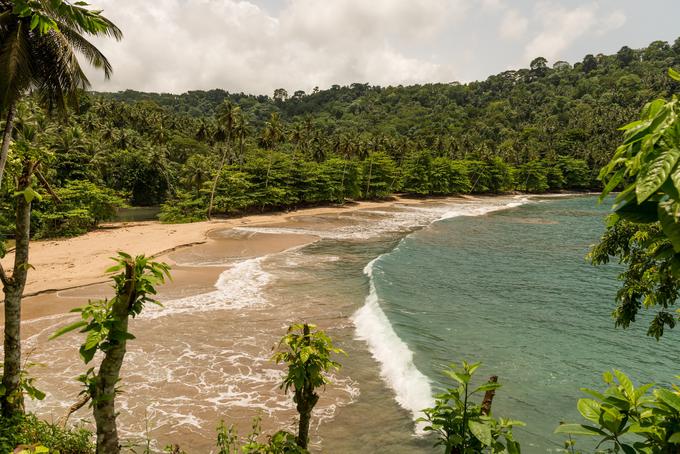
413,390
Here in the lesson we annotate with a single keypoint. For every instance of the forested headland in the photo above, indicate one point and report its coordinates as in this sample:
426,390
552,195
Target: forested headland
543,128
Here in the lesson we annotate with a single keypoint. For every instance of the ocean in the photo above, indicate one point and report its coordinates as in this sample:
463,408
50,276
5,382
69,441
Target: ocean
404,291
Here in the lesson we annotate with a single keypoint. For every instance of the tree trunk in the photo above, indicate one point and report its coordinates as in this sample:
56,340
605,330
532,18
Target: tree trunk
488,397
368,183
109,371
7,138
217,178
342,183
304,408
13,401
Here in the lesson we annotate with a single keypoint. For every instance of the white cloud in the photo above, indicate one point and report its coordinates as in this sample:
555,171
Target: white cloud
177,45
613,21
513,25
493,5
561,27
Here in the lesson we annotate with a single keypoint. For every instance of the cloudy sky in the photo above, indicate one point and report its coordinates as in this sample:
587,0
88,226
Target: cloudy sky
256,46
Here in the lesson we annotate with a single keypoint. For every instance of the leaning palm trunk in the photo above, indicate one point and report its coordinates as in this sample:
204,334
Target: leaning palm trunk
7,138
13,287
109,372
368,183
217,179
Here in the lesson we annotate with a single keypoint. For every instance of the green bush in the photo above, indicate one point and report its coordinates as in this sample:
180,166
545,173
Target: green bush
29,430
82,206
184,208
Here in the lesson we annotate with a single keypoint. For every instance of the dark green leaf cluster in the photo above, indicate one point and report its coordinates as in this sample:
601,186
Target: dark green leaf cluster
308,354
650,278
462,426
627,419
644,231
282,442
28,430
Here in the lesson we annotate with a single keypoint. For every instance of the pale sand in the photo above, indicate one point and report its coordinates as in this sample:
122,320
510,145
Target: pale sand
69,271
79,261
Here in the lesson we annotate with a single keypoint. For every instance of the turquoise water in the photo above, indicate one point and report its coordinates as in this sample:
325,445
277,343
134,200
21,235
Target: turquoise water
512,289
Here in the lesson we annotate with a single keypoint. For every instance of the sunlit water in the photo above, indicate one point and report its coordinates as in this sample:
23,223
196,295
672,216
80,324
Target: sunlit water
512,289
403,291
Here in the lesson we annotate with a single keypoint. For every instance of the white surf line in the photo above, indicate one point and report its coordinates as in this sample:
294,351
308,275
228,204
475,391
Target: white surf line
239,286
413,390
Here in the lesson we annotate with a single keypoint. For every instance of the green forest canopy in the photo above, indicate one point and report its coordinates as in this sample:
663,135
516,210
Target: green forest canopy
546,127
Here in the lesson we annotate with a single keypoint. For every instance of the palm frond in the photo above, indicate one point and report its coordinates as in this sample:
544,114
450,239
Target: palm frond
61,76
87,49
16,65
82,19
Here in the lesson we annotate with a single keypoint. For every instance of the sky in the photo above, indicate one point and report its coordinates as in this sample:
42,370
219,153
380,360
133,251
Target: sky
256,46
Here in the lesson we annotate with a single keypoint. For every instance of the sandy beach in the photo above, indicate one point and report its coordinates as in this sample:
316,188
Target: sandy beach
205,355
75,262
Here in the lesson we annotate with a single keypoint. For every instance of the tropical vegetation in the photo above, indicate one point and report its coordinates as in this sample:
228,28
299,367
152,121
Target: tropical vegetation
213,153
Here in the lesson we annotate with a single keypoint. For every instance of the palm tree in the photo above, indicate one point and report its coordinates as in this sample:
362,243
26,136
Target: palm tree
298,138
38,52
227,119
39,43
272,135
242,130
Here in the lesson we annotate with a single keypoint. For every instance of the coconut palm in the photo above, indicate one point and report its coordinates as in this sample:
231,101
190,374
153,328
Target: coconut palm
242,130
39,43
227,119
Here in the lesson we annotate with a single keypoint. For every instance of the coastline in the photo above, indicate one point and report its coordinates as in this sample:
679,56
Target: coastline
64,264
221,287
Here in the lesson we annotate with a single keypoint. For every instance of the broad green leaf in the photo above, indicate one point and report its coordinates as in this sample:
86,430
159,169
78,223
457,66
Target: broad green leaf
612,183
675,438
627,384
460,378
675,177
579,429
669,398
674,74
29,195
642,390
628,449
667,216
513,447
654,174
482,432
589,409
68,329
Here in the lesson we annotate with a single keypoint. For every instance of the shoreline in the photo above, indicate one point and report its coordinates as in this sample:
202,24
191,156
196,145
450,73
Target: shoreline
72,263
69,272
228,373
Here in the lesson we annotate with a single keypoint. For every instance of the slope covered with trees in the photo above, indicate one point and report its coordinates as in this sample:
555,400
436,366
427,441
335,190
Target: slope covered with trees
546,127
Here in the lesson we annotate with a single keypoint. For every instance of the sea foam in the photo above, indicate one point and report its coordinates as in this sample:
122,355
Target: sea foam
413,390
237,287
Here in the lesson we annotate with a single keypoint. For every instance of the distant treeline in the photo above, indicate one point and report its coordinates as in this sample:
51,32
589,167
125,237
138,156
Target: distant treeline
536,129
284,182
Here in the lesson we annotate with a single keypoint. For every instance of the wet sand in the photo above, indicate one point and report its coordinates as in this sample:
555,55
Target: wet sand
79,261
199,359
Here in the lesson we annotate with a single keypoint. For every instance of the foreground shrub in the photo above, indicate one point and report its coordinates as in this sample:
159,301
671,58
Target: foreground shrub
630,419
462,426
28,430
282,442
